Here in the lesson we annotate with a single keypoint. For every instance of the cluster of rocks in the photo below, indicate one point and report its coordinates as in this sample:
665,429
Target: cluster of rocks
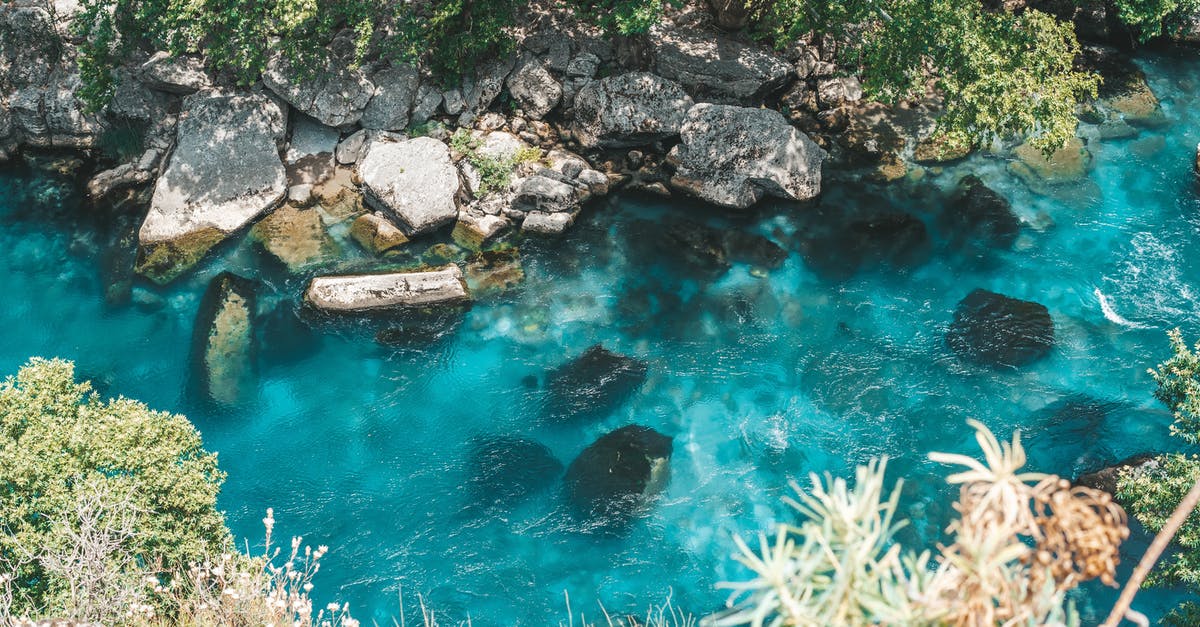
611,480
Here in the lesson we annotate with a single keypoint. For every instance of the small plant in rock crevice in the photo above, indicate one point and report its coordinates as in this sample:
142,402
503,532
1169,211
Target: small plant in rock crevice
495,173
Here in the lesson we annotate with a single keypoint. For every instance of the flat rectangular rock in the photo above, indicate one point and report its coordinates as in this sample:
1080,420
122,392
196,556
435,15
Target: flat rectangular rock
368,292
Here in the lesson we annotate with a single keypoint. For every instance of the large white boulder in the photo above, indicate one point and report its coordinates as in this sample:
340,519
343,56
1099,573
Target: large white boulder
411,180
225,172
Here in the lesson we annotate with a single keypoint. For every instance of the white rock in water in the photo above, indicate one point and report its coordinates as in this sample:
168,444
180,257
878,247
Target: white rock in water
368,292
413,180
224,172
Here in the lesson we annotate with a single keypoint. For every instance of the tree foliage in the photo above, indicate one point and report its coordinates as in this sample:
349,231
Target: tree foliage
60,445
1153,490
1153,18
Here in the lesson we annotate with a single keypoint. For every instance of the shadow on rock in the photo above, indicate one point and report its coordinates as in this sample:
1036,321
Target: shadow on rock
503,471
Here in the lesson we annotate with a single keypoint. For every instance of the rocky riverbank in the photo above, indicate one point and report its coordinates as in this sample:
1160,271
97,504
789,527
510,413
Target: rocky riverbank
519,148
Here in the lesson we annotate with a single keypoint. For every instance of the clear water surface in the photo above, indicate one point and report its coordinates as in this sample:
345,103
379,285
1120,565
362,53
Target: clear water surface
759,380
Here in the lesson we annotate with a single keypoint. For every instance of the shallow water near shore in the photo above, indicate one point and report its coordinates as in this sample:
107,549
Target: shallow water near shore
759,379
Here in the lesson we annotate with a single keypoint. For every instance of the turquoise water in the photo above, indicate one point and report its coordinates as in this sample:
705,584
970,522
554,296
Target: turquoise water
363,446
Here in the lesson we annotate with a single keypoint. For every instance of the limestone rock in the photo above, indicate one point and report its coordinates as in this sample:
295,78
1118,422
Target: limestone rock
494,271
336,96
833,92
476,229
176,75
395,91
224,172
349,150
412,180
733,156
396,290
996,330
629,110
223,340
715,68
616,476
543,193
542,223
296,237
376,233
428,99
1068,163
534,88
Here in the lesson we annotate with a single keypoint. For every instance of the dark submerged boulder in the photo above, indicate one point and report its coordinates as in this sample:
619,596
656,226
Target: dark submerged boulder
617,474
753,249
1106,478
995,330
888,239
593,384
979,216
224,340
504,470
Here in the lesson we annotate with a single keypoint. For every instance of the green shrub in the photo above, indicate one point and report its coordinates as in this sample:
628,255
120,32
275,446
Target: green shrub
495,174
143,474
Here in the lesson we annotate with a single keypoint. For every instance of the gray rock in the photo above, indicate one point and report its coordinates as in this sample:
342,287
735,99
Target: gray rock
395,91
733,156
310,138
349,150
336,96
543,223
714,68
176,75
584,65
534,88
832,92
397,290
452,101
134,100
542,193
596,181
500,145
629,110
412,180
121,177
225,171
300,195
482,88
29,46
476,228
429,98
67,123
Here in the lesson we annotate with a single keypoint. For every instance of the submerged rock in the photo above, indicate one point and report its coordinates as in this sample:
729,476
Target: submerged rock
1123,88
296,237
376,234
616,476
980,215
494,271
412,180
224,172
753,249
503,470
369,292
1106,478
1068,163
995,330
733,156
592,385
715,68
629,110
889,239
223,340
